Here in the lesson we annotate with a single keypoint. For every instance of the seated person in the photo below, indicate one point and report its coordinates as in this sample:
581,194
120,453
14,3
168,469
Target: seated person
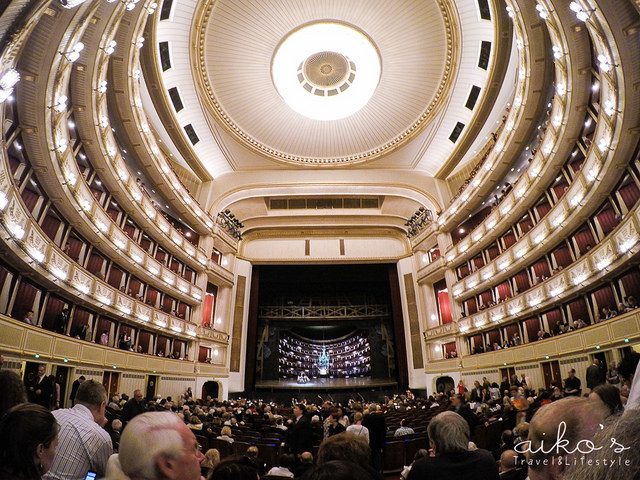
285,462
404,429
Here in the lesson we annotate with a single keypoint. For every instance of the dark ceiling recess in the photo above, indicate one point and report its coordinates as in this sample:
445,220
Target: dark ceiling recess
485,52
457,130
485,12
165,58
473,97
191,133
175,98
165,12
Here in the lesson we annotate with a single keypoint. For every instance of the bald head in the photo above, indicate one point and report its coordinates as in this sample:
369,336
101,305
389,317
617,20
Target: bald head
306,457
508,460
568,422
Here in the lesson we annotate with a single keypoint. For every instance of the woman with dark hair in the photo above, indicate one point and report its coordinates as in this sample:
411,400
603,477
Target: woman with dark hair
338,470
28,439
609,395
235,468
12,391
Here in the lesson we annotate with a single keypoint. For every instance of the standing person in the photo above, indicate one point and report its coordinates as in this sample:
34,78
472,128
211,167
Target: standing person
40,389
613,377
74,387
28,439
595,375
357,428
60,321
84,445
300,437
377,426
55,393
134,406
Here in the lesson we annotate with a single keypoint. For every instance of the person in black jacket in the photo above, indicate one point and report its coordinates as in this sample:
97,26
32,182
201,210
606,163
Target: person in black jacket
449,442
134,406
377,426
596,375
40,389
462,408
300,437
74,388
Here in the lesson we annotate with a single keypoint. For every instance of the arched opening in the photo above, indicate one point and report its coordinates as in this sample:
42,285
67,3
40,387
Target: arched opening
444,384
210,389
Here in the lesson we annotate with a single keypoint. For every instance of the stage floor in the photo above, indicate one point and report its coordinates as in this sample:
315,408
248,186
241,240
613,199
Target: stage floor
326,383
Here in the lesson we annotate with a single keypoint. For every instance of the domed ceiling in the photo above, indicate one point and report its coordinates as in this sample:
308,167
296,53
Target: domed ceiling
245,83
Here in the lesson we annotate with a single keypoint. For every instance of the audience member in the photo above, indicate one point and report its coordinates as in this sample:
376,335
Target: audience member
28,318
338,470
115,432
609,395
306,464
211,459
40,388
235,468
28,439
596,375
12,391
612,462
403,429
563,422
300,435
133,407
423,452
448,436
572,384
285,463
357,428
509,466
225,434
60,321
159,446
74,387
84,445
254,455
377,426
348,448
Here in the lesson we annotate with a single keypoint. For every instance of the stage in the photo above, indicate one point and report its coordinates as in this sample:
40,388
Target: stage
322,384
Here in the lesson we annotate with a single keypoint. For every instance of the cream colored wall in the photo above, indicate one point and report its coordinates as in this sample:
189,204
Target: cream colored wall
236,379
416,375
356,248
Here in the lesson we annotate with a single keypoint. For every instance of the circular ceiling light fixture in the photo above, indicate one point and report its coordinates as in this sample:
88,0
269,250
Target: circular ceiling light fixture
326,71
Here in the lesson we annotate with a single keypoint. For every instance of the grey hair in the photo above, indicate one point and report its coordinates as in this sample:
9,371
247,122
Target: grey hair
146,437
449,432
625,429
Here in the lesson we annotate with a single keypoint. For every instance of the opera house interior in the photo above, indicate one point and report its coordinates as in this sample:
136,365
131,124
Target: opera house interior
294,197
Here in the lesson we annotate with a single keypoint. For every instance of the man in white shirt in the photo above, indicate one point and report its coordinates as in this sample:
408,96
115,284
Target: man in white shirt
83,446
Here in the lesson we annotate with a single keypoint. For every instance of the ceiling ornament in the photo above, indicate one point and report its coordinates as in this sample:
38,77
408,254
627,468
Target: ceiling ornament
416,44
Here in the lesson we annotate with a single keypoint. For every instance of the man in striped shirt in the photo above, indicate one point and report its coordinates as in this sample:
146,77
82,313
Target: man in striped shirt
83,444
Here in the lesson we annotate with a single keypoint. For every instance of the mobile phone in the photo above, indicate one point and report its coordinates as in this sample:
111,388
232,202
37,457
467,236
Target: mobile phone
90,476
